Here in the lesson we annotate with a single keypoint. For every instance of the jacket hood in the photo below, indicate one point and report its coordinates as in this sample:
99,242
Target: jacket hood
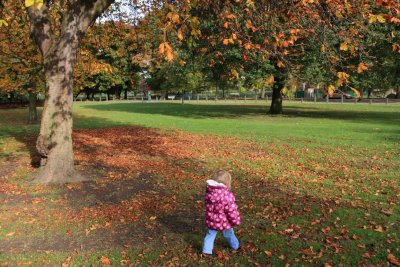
214,183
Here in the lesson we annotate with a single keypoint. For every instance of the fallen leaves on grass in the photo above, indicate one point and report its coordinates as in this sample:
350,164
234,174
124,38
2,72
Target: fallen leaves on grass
393,260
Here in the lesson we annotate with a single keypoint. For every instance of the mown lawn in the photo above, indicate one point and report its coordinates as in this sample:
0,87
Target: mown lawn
316,186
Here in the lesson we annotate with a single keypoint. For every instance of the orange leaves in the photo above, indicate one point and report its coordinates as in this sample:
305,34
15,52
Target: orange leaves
280,64
270,81
268,253
362,67
230,40
250,26
180,35
306,2
393,260
174,17
105,260
166,50
396,48
344,46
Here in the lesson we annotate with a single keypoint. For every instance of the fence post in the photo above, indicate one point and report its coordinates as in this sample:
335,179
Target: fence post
142,99
206,98
387,101
327,98
315,98
302,100
342,99
370,100
245,99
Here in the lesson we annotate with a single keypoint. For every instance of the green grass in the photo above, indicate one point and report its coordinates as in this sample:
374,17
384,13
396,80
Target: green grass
327,171
341,124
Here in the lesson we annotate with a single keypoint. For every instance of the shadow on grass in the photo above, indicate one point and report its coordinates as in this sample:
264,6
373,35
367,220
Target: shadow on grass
234,111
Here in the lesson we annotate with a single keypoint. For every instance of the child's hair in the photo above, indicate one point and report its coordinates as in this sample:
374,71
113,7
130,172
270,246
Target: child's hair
224,177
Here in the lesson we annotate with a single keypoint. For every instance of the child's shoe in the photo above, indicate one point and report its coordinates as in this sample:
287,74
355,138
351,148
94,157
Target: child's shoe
233,251
206,255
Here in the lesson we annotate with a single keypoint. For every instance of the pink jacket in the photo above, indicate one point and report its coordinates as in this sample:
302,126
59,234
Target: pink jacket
221,208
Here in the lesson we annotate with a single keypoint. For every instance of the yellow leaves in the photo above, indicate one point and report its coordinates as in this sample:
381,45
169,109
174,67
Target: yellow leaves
3,22
345,45
235,73
226,25
280,64
331,89
250,3
323,48
166,50
153,218
376,18
231,16
342,78
306,2
225,41
36,3
358,94
362,67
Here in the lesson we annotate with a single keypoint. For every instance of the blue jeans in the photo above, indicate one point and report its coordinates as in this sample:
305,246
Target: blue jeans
229,236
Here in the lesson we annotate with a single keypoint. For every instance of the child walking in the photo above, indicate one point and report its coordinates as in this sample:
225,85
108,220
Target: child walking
221,212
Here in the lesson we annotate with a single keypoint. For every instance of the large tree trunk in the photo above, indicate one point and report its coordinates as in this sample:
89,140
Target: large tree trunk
59,55
32,115
55,139
276,103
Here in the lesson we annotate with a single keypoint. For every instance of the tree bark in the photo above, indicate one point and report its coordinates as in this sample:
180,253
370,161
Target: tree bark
263,93
54,143
126,94
55,139
276,103
32,114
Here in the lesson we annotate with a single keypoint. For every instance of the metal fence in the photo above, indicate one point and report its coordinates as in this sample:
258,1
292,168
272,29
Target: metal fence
245,99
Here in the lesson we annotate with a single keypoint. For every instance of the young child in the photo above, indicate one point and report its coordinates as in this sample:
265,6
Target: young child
221,212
